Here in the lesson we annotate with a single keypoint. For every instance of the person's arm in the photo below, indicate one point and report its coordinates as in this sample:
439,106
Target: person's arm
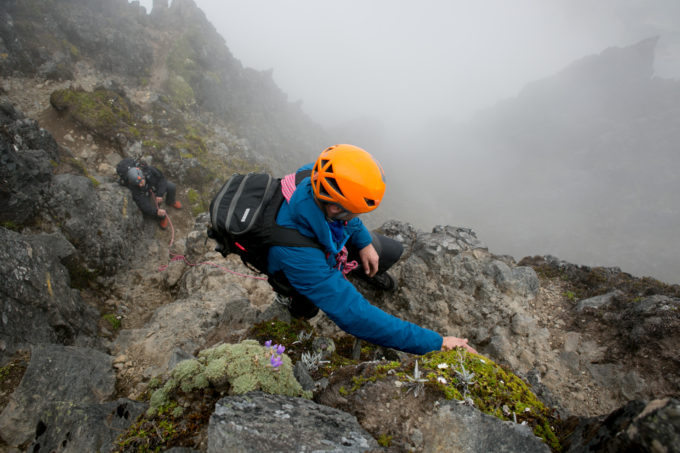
156,179
309,273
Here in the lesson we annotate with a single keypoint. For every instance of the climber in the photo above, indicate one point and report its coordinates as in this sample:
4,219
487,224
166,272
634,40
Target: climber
148,186
345,181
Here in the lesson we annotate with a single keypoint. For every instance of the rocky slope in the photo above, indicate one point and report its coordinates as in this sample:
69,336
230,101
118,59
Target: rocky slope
99,307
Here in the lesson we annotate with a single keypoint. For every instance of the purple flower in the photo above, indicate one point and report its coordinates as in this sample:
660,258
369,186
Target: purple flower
275,361
280,348
268,343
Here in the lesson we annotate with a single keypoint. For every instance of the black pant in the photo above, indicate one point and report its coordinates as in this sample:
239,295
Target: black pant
170,194
389,251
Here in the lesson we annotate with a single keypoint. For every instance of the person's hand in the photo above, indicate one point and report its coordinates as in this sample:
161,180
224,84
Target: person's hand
369,260
159,200
161,213
454,342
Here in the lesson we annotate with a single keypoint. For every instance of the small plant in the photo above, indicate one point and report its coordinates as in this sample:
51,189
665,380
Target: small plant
416,382
5,371
303,336
312,360
465,380
385,440
113,320
570,295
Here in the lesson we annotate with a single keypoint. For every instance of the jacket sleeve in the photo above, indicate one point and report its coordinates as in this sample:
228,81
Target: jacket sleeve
327,288
157,180
144,203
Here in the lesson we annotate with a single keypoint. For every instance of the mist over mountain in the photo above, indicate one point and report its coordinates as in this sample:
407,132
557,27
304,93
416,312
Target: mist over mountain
582,164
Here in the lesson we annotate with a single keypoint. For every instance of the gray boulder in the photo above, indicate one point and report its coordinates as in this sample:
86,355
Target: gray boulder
637,426
103,224
459,428
37,304
76,428
58,377
258,421
26,152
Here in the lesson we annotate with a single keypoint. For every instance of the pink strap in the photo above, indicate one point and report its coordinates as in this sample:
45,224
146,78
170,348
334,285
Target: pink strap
287,189
288,186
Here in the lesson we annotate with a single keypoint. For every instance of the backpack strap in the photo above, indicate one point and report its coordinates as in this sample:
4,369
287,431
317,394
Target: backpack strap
283,236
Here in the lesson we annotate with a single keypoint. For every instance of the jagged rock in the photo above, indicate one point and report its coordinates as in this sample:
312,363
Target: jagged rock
183,325
104,225
597,301
450,283
456,427
37,304
79,427
258,421
26,152
302,376
57,376
72,31
637,426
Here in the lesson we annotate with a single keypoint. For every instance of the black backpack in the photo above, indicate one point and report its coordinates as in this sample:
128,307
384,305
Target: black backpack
122,169
243,219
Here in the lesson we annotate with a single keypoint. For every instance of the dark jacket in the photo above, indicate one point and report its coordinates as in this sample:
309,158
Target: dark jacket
313,274
155,186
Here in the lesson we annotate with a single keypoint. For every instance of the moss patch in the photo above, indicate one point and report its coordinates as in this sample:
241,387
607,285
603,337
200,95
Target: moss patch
494,390
103,112
181,405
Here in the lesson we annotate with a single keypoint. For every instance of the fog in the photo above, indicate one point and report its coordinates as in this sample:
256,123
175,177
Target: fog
403,79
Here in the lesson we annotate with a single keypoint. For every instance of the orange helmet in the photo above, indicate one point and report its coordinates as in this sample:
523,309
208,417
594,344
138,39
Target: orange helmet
349,176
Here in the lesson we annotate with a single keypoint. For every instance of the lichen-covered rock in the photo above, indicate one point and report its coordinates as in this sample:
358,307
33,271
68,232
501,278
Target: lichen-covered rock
403,392
57,377
27,154
455,427
257,422
82,427
37,304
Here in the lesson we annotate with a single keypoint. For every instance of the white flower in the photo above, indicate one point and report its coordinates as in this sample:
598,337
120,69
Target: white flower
482,360
441,380
442,366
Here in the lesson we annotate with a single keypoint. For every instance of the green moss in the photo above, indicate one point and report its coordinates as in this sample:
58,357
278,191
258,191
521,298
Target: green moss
152,144
11,225
495,391
385,440
113,321
285,334
379,372
180,92
101,111
5,371
73,50
193,196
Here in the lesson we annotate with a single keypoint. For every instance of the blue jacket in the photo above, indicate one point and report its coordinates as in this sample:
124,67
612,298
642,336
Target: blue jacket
313,274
